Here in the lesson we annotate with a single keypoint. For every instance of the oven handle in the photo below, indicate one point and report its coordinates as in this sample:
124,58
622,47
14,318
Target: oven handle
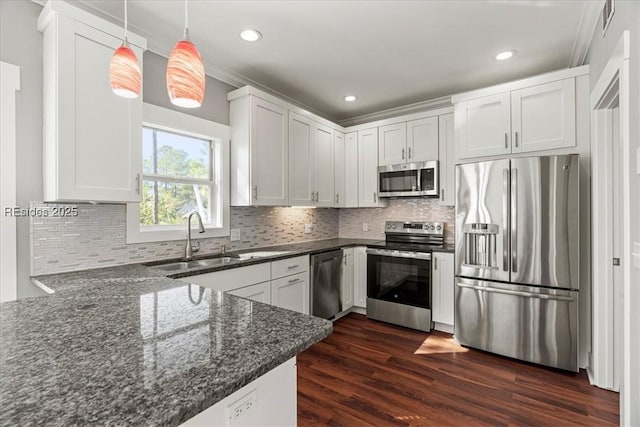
399,254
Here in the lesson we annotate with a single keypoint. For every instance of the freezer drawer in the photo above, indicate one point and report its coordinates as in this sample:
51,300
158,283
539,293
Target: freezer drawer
534,324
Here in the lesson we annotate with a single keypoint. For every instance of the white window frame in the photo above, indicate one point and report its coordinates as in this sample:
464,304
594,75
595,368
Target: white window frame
174,121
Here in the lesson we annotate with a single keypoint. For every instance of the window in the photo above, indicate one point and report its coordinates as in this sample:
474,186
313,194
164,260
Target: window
185,168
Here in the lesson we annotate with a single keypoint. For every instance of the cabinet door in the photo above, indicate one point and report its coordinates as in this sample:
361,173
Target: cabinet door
368,168
392,144
351,169
443,288
291,292
260,292
269,153
446,155
322,158
339,170
93,138
300,152
422,140
360,277
346,286
483,126
543,117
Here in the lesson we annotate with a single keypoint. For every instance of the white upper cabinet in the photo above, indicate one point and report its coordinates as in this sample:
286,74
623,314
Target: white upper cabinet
339,170
532,115
311,165
447,159
483,126
92,137
543,117
422,140
259,153
368,168
351,169
323,165
392,144
301,192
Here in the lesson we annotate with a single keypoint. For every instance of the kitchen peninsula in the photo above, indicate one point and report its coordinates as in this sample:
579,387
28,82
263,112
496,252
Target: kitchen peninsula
126,345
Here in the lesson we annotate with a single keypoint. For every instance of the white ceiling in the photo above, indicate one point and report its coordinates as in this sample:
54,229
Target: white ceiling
388,53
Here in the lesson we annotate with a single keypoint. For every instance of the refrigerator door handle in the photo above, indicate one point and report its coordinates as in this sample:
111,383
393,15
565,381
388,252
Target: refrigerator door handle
517,293
505,220
514,220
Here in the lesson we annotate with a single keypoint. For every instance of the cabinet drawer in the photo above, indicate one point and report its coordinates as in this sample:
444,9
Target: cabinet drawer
289,266
233,278
291,292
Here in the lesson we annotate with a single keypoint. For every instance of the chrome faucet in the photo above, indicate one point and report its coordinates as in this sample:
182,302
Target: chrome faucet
189,249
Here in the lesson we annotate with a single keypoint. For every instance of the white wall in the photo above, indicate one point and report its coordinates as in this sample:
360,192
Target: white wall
627,17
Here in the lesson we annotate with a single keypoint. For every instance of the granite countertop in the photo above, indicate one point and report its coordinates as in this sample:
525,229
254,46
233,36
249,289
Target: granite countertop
125,345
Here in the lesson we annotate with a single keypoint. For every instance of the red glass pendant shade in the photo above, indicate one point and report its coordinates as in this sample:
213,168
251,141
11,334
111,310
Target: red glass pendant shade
185,75
124,72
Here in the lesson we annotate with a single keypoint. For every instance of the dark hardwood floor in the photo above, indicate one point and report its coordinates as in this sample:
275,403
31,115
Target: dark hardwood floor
372,373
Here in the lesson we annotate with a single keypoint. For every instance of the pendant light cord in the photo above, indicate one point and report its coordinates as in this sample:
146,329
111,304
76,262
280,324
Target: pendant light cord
126,20
186,21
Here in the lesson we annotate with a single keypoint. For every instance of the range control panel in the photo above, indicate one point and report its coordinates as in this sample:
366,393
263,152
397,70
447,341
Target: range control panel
414,227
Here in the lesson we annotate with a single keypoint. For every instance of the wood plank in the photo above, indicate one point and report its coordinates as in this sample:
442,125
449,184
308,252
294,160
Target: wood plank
372,373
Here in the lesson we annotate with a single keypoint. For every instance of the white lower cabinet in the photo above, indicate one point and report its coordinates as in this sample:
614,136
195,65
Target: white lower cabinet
360,277
291,292
442,290
260,292
346,286
283,283
270,400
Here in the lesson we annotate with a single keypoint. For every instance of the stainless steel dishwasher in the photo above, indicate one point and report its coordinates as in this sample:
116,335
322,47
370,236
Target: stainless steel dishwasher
326,277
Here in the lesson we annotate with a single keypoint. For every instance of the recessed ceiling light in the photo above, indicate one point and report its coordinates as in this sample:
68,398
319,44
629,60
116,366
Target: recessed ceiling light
506,54
250,35
350,98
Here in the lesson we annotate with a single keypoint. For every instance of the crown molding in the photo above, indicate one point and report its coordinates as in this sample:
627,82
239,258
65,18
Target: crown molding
416,107
586,29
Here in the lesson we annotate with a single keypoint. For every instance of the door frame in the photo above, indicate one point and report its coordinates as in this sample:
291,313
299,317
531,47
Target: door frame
612,85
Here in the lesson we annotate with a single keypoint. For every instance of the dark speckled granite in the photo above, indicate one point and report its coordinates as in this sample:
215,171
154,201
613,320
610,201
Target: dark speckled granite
121,346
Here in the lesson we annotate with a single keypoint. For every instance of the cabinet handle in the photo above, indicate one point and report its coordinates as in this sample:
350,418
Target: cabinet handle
137,183
317,196
516,139
291,267
506,140
409,153
337,197
375,197
435,263
442,194
255,192
344,259
294,280
403,154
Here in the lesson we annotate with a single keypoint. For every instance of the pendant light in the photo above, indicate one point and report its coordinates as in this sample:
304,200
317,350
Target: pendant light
185,71
124,71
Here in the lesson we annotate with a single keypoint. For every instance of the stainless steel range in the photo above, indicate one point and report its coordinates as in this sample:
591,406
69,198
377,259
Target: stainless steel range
399,274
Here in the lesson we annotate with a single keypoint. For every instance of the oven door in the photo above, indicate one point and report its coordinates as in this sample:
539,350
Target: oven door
399,277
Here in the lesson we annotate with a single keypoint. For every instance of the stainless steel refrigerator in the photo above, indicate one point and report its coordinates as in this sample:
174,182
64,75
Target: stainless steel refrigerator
517,258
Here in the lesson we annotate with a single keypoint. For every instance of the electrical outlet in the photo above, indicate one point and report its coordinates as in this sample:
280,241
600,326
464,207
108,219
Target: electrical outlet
308,228
241,406
365,226
235,234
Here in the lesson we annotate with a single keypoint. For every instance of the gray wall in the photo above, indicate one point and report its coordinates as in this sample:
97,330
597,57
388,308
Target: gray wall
21,44
215,106
626,17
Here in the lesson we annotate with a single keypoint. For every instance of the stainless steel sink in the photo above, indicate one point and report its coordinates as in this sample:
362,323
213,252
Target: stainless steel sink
261,254
185,265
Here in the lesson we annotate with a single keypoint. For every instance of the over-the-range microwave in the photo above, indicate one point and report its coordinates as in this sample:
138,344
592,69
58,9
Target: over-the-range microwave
409,180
